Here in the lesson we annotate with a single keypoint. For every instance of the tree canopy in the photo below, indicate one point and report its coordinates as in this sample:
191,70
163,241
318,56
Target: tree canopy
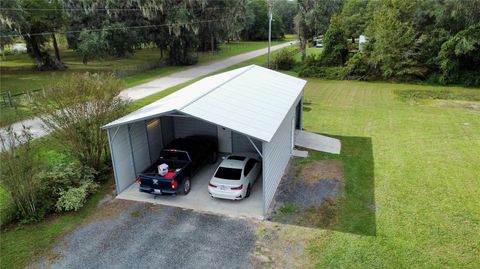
409,40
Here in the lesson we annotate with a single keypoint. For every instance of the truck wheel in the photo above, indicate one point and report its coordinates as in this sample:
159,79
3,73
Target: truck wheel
186,186
214,157
248,191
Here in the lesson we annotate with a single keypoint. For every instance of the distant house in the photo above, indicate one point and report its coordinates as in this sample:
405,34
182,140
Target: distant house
361,40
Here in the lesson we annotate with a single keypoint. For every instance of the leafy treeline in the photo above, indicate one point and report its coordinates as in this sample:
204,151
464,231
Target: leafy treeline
103,28
433,40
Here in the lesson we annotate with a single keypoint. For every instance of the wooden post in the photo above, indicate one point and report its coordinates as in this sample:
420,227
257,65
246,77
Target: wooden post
9,95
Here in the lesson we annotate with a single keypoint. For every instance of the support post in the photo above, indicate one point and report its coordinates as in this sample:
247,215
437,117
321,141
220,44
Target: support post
255,146
270,3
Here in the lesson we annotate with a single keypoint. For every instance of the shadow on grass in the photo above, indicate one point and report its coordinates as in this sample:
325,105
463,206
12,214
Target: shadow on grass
346,205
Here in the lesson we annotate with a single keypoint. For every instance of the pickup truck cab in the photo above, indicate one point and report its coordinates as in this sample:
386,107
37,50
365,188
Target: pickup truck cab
182,159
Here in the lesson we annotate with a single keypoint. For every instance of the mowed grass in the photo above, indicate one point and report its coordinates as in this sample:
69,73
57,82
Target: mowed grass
423,178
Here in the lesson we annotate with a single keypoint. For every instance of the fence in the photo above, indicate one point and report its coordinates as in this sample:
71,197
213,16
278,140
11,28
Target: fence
12,100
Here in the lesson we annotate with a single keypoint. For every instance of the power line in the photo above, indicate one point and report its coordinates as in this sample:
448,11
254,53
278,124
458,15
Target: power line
111,28
103,9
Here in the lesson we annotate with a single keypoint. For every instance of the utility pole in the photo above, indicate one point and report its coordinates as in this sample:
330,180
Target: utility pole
270,4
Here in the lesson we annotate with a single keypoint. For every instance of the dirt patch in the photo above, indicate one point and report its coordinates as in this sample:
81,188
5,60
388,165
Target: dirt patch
312,196
322,170
283,246
459,104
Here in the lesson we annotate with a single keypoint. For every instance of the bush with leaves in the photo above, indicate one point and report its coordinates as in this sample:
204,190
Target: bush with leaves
75,197
76,108
284,60
64,181
19,164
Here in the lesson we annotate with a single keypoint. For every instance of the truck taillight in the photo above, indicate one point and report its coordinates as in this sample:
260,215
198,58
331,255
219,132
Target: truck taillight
174,184
139,180
237,188
211,185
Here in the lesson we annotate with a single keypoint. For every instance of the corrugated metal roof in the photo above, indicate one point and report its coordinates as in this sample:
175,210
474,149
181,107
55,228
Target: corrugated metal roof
251,100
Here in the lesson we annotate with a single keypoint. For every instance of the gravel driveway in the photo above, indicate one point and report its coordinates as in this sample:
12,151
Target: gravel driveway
138,235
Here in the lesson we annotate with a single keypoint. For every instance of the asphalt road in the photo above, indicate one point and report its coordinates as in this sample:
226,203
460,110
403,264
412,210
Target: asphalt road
150,236
158,85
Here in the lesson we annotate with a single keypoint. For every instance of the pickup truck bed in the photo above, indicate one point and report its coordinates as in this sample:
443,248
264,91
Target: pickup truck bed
152,182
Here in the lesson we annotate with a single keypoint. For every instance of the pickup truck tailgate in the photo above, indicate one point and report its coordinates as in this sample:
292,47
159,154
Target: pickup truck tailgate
153,184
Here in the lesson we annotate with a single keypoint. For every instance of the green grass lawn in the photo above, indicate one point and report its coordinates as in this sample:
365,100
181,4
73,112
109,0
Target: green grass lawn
417,163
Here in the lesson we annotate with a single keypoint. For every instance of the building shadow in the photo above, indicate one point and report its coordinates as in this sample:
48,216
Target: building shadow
340,203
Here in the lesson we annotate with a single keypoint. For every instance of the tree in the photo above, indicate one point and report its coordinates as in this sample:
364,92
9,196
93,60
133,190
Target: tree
313,18
460,56
286,10
76,108
257,22
91,45
335,50
115,21
37,21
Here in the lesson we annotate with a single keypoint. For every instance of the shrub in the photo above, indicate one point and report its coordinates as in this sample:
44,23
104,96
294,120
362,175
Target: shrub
284,60
357,67
19,164
66,186
75,197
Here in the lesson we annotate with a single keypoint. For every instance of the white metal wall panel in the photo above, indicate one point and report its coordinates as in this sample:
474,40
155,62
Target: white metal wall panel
276,155
155,141
241,143
141,154
121,157
190,126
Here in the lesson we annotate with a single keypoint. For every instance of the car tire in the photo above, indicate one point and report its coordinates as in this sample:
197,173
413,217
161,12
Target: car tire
186,186
214,157
248,191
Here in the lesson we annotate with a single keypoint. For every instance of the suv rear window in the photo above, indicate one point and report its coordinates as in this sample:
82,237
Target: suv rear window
237,158
228,173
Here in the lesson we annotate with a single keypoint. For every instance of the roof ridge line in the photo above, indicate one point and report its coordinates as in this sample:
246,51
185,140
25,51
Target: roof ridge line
216,87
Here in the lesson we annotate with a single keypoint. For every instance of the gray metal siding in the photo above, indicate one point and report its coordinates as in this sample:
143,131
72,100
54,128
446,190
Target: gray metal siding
121,157
167,129
276,155
185,126
141,154
240,143
155,140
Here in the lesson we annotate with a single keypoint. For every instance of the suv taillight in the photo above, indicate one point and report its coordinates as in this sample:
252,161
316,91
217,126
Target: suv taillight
237,188
211,185
174,184
139,180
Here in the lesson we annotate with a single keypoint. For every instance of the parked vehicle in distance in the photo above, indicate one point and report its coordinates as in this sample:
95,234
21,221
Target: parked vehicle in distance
179,161
235,176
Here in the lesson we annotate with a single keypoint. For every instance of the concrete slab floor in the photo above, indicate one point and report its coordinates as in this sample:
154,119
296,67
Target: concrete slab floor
198,199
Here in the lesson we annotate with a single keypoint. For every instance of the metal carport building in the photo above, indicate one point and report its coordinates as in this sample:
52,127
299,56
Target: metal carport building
247,109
